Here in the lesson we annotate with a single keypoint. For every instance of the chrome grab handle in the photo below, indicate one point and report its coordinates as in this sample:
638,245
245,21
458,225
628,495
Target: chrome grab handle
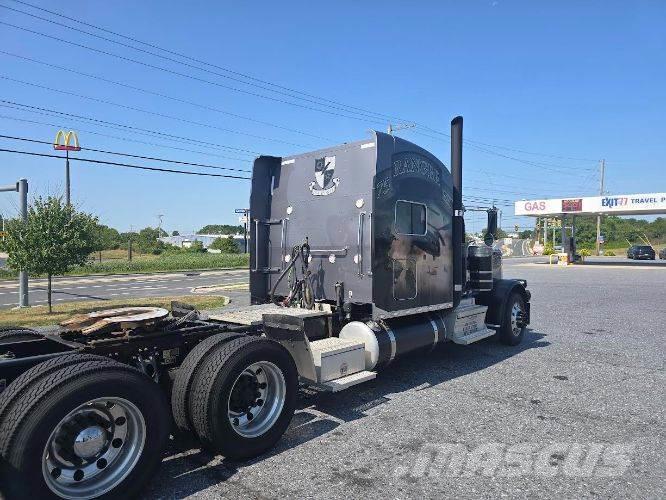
361,219
371,241
283,237
283,241
256,245
319,252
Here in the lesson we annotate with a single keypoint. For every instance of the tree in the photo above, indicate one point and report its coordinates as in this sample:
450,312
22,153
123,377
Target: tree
55,238
225,245
221,229
175,233
106,238
501,233
147,240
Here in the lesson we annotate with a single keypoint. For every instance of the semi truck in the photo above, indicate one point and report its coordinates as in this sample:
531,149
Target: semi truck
357,257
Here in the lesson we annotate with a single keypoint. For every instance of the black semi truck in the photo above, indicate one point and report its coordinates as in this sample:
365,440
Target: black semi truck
357,257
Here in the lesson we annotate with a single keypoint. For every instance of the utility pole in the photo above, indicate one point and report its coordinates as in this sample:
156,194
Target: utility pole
400,126
129,244
602,166
159,226
553,235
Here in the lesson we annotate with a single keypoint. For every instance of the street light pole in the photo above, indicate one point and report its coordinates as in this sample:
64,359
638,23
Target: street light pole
22,188
245,219
62,143
67,180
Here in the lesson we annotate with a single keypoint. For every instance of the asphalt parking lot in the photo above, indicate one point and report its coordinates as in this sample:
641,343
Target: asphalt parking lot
576,411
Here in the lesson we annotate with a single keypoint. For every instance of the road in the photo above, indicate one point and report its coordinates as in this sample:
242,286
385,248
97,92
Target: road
587,386
234,284
520,248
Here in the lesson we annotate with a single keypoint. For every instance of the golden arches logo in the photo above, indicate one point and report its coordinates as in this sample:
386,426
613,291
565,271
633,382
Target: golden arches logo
63,139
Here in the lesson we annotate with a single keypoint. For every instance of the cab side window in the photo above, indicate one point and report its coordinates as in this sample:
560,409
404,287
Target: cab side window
411,218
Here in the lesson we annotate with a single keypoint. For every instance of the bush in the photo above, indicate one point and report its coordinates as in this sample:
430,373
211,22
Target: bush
196,247
584,252
548,249
609,253
225,245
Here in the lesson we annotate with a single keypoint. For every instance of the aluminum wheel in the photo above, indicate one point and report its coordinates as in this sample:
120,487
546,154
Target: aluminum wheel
94,448
256,399
516,318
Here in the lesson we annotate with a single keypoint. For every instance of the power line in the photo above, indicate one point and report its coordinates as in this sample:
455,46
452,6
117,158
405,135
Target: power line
138,130
365,114
555,167
368,114
506,147
164,96
141,110
126,165
184,75
545,166
486,189
129,155
125,139
184,56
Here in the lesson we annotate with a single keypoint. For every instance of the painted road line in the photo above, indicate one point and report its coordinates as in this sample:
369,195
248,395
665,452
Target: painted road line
111,279
124,285
227,287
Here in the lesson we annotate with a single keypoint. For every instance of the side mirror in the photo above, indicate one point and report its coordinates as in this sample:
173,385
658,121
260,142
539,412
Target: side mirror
491,232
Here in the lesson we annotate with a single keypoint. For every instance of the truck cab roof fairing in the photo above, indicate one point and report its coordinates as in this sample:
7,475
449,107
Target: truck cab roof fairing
330,197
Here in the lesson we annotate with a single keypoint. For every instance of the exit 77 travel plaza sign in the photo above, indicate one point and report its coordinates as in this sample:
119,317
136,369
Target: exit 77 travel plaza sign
622,204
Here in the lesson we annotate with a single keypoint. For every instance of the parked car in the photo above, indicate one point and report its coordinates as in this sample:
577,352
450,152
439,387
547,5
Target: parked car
641,252
662,253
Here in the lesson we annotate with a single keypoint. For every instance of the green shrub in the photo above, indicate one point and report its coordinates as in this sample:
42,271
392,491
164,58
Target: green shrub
226,245
548,249
584,252
609,253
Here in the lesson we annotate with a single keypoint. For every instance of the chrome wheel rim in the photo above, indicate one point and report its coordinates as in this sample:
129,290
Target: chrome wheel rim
93,448
256,399
516,315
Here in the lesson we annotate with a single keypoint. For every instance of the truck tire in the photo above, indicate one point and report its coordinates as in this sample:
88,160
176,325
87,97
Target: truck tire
14,327
244,397
182,383
17,333
512,329
87,430
29,377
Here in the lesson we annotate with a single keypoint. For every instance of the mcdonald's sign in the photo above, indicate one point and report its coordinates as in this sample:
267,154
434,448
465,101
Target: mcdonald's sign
63,139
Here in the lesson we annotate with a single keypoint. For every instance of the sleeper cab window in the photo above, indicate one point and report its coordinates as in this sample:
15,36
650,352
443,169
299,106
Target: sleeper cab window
410,218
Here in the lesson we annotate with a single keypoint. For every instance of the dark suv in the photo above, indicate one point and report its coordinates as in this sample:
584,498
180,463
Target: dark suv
641,252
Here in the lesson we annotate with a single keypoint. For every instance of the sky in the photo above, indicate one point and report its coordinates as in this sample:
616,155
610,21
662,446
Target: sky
547,89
